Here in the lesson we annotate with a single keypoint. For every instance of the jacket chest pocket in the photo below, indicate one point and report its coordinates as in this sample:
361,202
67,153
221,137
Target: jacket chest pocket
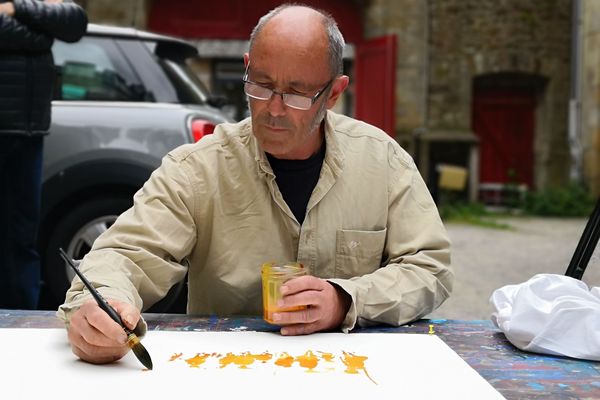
358,252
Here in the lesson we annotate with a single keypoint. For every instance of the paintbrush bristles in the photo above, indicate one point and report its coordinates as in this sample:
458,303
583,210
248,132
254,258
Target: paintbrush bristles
139,350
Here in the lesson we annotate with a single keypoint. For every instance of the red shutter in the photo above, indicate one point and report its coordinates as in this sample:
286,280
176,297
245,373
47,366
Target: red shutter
375,82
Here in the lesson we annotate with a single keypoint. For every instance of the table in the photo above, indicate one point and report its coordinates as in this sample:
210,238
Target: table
514,373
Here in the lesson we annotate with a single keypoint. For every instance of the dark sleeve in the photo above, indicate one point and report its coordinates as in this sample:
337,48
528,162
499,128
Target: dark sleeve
65,21
16,36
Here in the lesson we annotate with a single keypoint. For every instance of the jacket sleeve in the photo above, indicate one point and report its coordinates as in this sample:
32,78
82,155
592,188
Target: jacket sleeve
415,277
16,36
65,21
143,254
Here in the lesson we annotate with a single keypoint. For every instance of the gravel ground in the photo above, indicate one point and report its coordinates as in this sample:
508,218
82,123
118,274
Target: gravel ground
485,259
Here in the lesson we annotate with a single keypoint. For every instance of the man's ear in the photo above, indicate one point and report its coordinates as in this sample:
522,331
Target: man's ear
246,59
337,88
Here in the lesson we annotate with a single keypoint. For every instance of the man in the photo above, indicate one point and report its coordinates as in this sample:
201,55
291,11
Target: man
27,30
293,182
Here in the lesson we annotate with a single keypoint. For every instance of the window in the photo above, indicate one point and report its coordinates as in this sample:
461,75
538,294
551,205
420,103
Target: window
95,69
187,85
227,81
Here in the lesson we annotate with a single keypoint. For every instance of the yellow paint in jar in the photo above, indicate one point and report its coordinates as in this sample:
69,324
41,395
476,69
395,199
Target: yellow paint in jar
273,276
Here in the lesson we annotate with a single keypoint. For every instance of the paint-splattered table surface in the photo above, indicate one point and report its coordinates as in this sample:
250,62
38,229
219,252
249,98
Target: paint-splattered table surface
515,374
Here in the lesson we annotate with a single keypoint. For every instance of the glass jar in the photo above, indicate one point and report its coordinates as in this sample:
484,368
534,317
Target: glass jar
273,276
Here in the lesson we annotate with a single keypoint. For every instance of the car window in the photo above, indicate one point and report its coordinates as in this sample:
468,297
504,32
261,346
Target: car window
95,69
187,85
189,88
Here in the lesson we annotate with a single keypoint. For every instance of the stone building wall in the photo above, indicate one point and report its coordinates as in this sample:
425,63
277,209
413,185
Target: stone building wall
590,127
407,19
471,38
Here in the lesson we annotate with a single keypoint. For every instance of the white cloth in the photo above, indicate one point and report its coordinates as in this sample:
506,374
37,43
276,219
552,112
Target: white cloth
551,314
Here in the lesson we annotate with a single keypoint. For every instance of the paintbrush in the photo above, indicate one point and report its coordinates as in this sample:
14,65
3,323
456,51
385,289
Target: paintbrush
132,340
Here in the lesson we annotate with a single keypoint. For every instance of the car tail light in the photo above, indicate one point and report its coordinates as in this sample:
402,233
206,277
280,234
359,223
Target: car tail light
201,128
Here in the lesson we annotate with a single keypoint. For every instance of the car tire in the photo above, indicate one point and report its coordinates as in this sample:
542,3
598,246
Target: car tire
75,232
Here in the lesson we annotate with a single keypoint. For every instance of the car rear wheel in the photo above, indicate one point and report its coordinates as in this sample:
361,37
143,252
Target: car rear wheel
76,232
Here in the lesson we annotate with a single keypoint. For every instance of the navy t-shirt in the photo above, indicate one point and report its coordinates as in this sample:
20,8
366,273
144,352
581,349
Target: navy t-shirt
297,179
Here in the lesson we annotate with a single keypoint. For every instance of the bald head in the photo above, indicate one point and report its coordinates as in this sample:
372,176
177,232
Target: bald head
303,29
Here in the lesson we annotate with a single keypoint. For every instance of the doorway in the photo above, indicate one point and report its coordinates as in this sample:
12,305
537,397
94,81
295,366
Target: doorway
504,115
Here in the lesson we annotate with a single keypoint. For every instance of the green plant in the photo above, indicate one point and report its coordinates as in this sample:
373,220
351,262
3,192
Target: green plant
470,213
572,200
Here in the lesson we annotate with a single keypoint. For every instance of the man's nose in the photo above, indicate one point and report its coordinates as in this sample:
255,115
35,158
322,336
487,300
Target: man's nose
275,104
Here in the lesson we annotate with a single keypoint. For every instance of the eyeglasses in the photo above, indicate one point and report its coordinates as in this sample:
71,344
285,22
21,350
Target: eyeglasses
297,101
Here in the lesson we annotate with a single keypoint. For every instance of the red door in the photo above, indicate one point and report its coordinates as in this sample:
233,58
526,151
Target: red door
504,121
375,82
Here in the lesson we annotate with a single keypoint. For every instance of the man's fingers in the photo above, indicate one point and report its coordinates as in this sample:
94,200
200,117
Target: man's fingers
95,326
303,291
86,329
8,9
103,325
300,284
300,329
98,355
304,316
129,314
306,298
326,306
95,337
95,353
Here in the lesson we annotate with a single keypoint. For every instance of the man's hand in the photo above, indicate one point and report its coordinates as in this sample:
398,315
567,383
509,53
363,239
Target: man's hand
7,8
327,306
95,337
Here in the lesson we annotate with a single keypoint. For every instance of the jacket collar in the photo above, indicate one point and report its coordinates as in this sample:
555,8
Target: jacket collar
334,156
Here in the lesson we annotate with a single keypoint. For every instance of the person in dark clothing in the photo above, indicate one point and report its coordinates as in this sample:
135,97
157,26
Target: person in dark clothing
27,74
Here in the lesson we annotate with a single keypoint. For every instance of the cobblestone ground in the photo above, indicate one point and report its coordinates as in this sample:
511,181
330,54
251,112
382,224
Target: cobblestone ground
485,259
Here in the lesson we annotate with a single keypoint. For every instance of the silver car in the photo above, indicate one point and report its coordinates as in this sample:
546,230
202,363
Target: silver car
124,99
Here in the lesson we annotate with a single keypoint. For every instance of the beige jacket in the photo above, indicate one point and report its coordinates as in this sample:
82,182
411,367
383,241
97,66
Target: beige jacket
213,209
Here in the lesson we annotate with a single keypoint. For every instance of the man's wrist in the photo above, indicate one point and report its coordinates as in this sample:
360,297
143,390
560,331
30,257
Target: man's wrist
7,8
345,301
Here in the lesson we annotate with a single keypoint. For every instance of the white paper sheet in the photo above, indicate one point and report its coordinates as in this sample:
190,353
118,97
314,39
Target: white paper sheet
38,363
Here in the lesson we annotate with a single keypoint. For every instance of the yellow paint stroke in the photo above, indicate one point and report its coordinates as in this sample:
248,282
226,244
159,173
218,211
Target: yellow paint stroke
327,356
355,363
243,360
308,360
285,360
197,360
264,357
